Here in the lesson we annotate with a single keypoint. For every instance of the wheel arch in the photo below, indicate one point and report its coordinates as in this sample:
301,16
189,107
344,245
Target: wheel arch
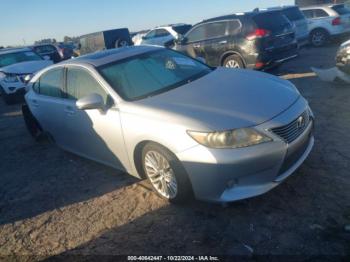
319,28
137,155
232,52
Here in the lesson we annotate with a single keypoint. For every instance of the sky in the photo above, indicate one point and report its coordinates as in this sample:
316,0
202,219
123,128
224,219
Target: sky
24,21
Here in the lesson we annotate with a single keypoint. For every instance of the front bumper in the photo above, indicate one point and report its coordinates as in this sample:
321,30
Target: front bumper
225,175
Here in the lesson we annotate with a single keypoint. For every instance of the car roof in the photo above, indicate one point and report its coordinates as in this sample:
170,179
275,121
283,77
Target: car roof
320,6
109,56
239,15
14,50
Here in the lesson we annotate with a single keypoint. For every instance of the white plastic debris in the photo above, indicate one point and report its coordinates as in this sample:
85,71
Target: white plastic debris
331,74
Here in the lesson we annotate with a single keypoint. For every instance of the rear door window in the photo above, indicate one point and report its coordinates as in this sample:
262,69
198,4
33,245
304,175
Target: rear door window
273,21
319,13
216,29
308,13
50,83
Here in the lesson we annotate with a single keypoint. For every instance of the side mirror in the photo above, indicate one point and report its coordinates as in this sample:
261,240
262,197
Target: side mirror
46,57
93,101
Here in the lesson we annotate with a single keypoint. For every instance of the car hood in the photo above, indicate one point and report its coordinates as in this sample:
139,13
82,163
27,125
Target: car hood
29,67
226,98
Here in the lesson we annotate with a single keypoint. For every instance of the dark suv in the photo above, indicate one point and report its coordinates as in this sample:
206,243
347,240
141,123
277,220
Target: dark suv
257,40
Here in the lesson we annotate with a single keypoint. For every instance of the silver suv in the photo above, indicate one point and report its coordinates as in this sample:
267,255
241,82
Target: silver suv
327,21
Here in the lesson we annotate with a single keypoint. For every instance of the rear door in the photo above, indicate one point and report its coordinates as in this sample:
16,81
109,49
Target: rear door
281,34
46,102
220,37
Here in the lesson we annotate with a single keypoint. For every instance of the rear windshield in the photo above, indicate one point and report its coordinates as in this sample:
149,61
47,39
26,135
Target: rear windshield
182,29
293,14
273,21
341,9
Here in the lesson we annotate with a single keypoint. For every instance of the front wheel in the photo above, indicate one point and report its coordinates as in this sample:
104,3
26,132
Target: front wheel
233,61
166,174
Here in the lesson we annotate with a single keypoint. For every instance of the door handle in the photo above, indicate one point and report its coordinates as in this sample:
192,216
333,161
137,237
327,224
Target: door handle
196,45
223,42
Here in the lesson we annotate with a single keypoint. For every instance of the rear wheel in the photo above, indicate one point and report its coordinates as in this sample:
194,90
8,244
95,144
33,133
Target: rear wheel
319,37
32,124
166,174
233,61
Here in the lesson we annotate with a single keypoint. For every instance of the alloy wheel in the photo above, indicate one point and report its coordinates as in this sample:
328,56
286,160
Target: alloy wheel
318,38
232,64
160,174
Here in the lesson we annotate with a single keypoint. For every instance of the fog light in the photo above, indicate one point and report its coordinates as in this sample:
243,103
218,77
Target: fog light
12,88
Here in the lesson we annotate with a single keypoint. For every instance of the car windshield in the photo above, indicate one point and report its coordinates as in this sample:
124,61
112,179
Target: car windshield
18,57
273,21
293,14
341,9
152,73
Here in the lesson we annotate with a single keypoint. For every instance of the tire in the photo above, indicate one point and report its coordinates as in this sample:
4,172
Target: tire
121,43
175,173
319,37
32,124
233,61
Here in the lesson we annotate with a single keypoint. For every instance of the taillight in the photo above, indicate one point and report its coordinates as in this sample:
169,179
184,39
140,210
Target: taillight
259,65
336,21
258,33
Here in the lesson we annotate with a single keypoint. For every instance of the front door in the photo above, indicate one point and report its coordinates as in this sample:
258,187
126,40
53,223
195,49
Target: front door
96,134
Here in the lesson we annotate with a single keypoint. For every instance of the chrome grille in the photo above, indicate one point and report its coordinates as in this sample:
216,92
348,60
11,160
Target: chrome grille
293,130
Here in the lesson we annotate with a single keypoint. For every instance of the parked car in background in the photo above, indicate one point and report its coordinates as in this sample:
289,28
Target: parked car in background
67,50
256,40
50,50
137,37
104,40
17,66
164,35
221,134
327,21
343,57
294,14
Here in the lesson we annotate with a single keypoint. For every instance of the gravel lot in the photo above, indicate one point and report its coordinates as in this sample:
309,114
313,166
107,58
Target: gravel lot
55,203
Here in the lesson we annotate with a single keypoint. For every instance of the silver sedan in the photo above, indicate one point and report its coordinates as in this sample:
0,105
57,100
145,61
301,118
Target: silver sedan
218,134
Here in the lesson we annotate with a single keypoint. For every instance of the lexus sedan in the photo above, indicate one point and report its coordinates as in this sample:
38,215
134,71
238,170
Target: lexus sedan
215,133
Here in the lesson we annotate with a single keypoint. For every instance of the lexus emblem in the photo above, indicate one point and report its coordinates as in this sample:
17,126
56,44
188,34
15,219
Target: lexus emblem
301,122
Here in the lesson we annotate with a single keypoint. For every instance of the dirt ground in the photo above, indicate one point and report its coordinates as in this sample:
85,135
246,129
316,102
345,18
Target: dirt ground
55,203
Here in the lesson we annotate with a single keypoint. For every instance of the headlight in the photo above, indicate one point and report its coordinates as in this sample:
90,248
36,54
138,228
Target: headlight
2,75
237,138
11,78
